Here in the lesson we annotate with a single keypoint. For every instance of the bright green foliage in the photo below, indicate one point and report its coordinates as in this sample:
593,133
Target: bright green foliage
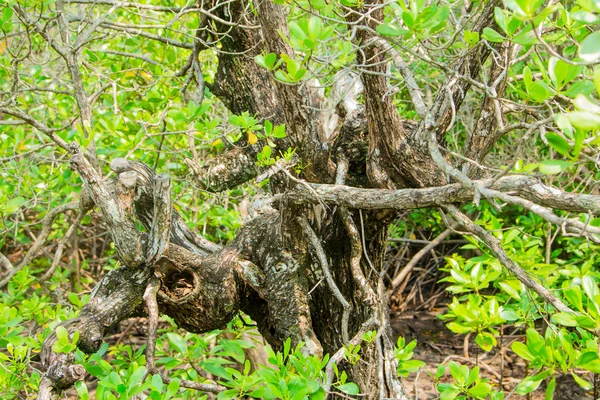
143,110
404,354
476,316
559,350
466,384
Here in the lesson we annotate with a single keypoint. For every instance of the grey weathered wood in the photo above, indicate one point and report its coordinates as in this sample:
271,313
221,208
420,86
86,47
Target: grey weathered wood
161,222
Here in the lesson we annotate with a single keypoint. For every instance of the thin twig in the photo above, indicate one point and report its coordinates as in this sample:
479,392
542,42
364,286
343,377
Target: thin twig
320,253
420,254
41,239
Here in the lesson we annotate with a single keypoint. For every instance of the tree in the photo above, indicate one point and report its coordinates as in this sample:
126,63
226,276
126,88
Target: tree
353,111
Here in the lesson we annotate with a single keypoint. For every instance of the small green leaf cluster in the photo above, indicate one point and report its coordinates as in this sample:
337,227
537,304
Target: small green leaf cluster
404,354
467,384
559,350
419,19
27,318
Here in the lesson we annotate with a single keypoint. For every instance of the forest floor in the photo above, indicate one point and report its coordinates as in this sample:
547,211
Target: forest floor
436,344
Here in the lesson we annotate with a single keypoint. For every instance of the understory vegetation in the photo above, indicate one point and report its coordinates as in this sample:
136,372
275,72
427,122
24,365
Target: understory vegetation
365,160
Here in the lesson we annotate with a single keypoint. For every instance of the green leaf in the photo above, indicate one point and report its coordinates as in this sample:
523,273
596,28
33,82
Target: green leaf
473,376
440,371
522,351
553,167
14,204
586,322
271,60
593,366
565,319
315,27
82,390
501,19
525,38
511,290
584,120
585,384
349,388
136,376
590,287
460,373
481,390
585,87
585,17
282,76
178,342
597,79
172,389
7,13
458,328
157,382
279,132
562,121
540,91
449,394
509,314
61,334
583,103
528,385
485,340
299,74
561,73
550,389
558,143
267,61
492,36
296,31
388,29
589,51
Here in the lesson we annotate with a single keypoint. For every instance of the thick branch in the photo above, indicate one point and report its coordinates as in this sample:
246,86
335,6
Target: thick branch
320,253
228,170
161,223
484,135
116,213
406,199
181,234
454,90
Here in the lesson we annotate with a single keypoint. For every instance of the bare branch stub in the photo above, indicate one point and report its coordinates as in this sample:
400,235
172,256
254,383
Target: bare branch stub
116,212
125,192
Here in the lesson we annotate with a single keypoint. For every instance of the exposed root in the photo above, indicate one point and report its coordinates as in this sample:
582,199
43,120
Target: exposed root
152,308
